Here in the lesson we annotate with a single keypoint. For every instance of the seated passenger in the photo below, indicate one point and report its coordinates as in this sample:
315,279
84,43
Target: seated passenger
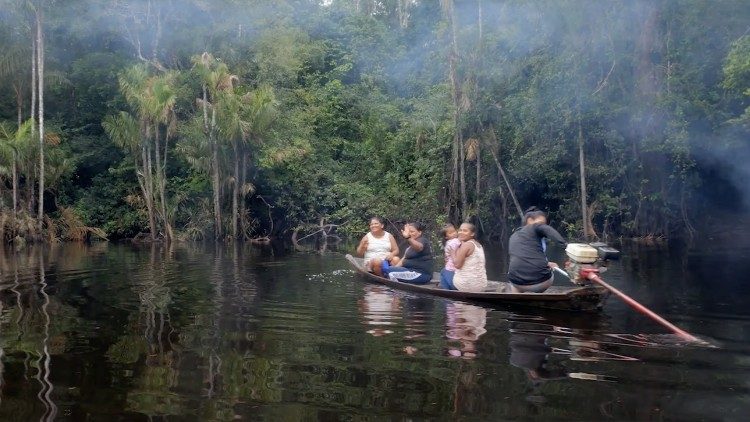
471,275
450,246
416,265
529,270
376,246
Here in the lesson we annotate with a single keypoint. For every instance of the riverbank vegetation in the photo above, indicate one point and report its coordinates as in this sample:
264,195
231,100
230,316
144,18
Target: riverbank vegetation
254,119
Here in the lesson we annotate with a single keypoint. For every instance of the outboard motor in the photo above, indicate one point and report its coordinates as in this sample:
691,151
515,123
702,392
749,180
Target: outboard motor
588,256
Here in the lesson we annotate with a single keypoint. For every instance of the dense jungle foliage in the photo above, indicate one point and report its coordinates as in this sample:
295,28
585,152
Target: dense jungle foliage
197,119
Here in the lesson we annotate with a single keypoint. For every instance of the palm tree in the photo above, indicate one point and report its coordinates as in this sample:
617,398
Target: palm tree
459,100
245,121
153,98
124,130
12,68
262,115
216,80
40,92
161,98
11,142
133,85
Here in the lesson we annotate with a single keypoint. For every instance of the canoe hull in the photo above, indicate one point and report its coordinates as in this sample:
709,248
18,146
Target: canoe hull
567,298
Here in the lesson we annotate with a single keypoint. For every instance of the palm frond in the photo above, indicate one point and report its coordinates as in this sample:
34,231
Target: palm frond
54,77
14,62
247,189
123,130
74,229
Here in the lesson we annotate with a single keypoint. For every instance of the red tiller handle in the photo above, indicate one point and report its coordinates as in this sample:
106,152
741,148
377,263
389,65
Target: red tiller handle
592,274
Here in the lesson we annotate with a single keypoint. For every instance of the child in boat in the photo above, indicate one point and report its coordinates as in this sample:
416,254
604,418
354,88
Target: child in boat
450,246
529,269
377,246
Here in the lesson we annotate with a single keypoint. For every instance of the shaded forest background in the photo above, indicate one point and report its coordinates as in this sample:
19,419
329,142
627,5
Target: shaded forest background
197,119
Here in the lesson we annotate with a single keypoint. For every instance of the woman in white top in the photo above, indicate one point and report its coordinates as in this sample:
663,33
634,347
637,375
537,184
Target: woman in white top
471,275
376,246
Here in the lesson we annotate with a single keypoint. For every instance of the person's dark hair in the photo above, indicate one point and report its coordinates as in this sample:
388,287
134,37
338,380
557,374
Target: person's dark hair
472,227
533,212
376,218
417,225
444,231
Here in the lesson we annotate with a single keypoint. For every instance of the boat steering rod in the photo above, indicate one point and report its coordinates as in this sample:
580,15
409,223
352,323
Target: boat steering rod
592,274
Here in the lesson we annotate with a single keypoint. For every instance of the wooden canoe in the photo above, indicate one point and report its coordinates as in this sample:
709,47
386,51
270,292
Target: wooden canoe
567,298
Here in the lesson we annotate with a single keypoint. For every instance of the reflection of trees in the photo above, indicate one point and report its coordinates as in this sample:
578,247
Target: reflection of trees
44,360
152,394
185,336
212,334
2,355
33,329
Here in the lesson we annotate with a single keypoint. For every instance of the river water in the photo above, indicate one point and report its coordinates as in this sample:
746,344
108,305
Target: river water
123,332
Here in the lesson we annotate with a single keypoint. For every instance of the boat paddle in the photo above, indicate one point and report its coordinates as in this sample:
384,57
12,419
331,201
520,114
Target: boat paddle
591,274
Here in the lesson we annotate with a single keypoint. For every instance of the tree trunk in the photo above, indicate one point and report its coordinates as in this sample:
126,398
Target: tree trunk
235,190
40,82
243,207
140,176
647,90
502,173
504,214
584,194
30,191
480,18
462,178
163,188
160,175
215,179
402,10
15,184
19,106
457,174
478,63
479,173
149,191
33,85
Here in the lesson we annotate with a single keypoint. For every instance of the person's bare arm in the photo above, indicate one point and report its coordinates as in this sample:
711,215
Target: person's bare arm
362,247
466,249
415,245
394,249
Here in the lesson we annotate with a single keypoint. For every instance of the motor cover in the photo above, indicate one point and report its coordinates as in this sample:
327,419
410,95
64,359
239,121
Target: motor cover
582,253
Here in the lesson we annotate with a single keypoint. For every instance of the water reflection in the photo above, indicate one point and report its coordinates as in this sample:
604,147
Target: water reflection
26,326
380,308
152,328
135,332
43,364
530,352
465,325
